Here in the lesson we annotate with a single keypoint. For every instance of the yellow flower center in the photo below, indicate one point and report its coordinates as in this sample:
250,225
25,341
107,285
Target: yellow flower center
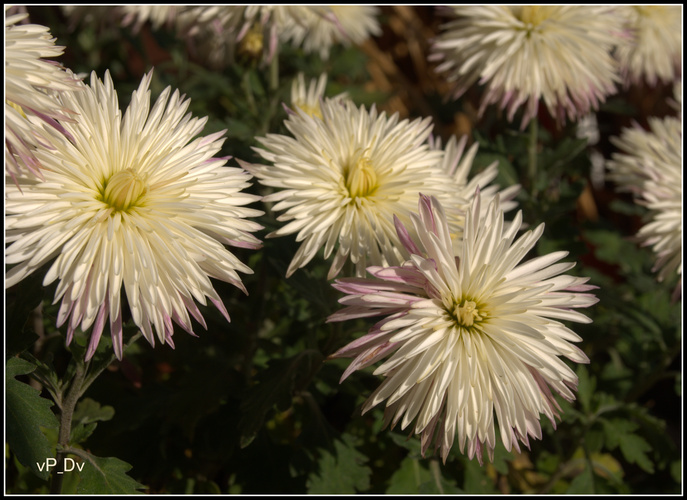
533,15
361,179
314,111
251,44
467,313
124,190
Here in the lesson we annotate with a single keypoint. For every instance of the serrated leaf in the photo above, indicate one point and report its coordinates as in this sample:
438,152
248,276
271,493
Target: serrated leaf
634,450
615,429
26,412
344,472
86,417
101,476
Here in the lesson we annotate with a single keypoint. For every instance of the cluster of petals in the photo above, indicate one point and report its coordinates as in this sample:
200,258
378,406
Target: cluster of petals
469,336
561,55
135,203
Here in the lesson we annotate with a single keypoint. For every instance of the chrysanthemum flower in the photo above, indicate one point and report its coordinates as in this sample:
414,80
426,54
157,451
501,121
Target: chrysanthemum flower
468,336
649,165
308,98
342,177
135,202
655,53
31,78
524,54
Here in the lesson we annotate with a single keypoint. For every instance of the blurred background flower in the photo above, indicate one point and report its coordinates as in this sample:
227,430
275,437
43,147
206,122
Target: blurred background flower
649,165
655,52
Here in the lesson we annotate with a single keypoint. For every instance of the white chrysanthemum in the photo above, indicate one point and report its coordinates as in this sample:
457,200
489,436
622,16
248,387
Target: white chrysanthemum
524,54
30,81
468,336
342,177
649,165
655,53
458,166
135,202
308,98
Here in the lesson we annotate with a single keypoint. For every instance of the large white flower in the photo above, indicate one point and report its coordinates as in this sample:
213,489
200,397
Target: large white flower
649,165
524,54
342,177
468,336
134,201
655,53
31,79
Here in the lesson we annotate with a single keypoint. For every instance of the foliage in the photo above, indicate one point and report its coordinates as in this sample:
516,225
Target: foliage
255,405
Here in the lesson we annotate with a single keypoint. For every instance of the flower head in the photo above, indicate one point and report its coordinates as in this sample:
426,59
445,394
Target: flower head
524,54
656,49
649,165
31,80
342,177
133,201
468,336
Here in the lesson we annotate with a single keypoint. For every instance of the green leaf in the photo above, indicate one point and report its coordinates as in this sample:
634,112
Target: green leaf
106,476
476,479
86,417
343,472
676,471
585,388
583,483
615,430
26,412
634,450
408,478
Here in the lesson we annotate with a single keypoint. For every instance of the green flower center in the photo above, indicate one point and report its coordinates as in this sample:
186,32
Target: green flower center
124,190
360,178
467,313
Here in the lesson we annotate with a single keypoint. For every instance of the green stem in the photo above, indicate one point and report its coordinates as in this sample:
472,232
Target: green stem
436,474
68,405
532,156
274,70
